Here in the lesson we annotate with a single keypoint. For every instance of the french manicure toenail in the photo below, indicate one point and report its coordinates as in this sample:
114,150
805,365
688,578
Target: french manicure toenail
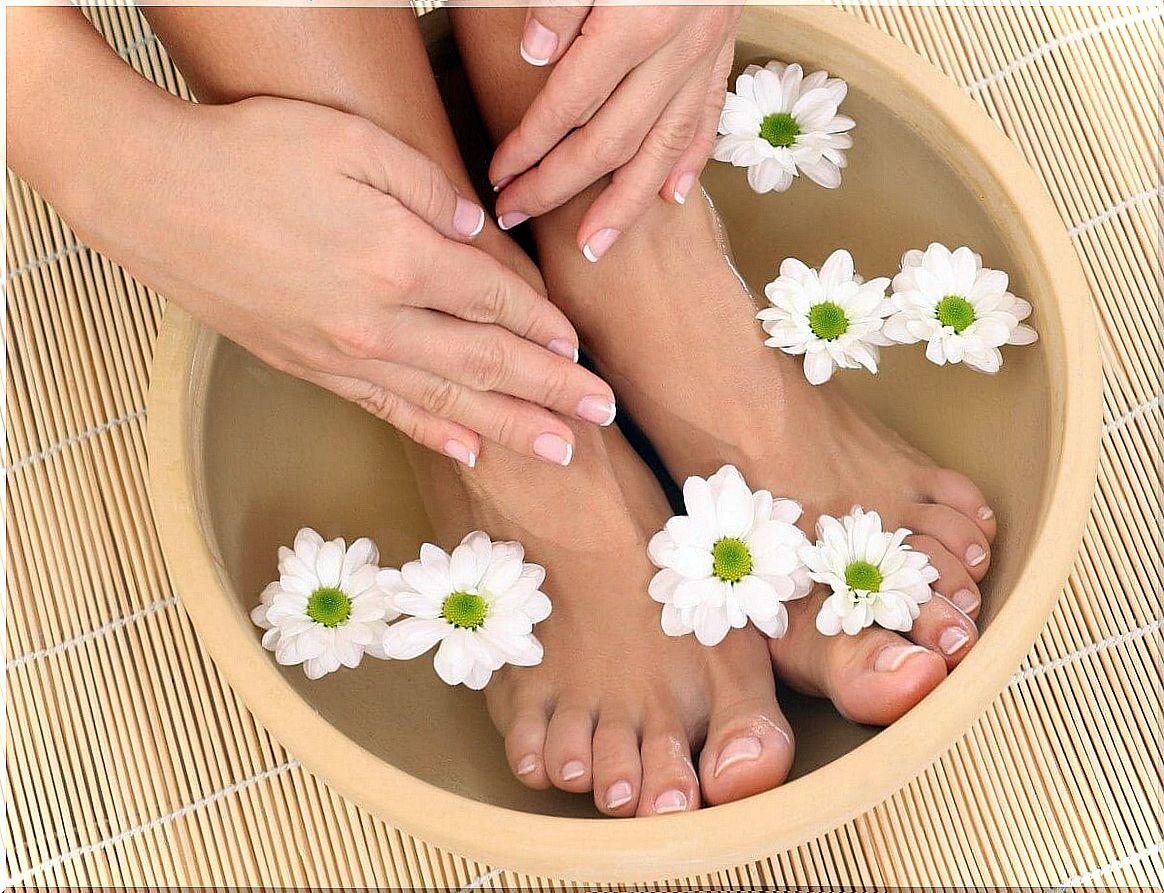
953,639
683,186
599,243
538,43
985,513
598,410
527,764
510,219
572,770
564,348
454,449
975,555
619,794
741,750
965,600
890,658
670,801
554,449
468,218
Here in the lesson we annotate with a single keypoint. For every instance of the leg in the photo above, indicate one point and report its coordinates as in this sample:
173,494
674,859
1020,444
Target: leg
616,707
659,313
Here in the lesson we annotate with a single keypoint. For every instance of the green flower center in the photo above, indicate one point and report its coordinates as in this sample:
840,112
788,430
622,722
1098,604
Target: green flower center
329,606
464,610
731,560
956,312
779,129
828,321
863,575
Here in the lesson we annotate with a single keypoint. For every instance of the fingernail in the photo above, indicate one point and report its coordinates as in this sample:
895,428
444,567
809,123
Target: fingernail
502,183
599,243
527,764
468,219
986,513
511,219
538,43
965,600
670,801
454,449
572,770
683,187
975,555
598,410
952,639
619,794
741,750
892,657
564,348
554,449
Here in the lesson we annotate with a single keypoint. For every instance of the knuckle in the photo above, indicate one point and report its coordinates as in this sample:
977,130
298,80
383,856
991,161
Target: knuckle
611,151
380,403
505,427
440,397
556,385
488,364
491,302
358,339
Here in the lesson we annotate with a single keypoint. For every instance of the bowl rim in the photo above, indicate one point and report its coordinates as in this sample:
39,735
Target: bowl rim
642,850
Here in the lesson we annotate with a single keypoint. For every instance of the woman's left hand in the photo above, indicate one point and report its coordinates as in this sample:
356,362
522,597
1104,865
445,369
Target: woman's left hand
635,91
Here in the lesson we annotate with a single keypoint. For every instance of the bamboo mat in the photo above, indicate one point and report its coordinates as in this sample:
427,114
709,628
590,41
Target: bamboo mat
130,761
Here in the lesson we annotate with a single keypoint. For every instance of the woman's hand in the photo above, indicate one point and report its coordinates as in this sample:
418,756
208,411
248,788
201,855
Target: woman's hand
339,254
634,91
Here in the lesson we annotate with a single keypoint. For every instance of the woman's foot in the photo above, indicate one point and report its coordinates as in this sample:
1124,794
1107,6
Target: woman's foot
616,707
673,331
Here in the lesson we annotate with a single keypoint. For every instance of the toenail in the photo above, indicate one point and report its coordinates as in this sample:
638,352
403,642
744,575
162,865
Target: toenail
986,513
890,658
527,764
965,600
952,639
741,750
572,770
670,801
975,555
619,794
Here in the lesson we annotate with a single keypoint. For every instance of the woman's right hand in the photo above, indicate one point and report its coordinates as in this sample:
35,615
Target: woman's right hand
339,254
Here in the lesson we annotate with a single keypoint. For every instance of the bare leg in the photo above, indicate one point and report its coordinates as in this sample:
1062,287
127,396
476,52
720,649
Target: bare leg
616,707
660,313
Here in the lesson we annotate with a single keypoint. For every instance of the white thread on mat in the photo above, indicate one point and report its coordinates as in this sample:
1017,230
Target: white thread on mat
1086,651
146,827
1072,37
1138,856
74,439
481,881
1134,413
136,45
1117,208
75,248
111,626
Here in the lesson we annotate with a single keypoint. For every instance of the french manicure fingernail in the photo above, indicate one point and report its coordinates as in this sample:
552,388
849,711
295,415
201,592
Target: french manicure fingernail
502,183
554,449
527,764
538,43
573,769
985,513
975,555
454,449
952,639
683,186
598,410
510,219
468,218
564,348
740,750
670,801
619,794
966,600
599,243
890,658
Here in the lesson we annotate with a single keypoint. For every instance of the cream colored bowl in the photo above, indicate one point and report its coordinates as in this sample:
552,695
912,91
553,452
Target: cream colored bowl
241,457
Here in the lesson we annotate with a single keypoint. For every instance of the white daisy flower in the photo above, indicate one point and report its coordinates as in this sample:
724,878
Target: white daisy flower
960,308
480,604
732,558
834,318
780,124
327,608
874,576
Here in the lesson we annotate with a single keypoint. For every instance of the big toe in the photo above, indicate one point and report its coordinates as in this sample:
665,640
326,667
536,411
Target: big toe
749,749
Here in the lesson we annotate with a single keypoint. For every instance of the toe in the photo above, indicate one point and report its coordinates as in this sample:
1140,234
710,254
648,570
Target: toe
669,781
945,630
525,743
617,769
568,748
954,581
749,749
960,535
959,492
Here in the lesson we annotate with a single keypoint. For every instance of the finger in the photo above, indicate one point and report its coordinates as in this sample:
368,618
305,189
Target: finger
685,173
549,30
489,358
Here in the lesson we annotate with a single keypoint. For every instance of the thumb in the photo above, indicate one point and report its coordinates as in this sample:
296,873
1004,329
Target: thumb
550,28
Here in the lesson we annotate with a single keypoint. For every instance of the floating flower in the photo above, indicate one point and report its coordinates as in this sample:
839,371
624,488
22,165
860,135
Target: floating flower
780,124
480,604
732,558
327,608
960,308
874,576
834,318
